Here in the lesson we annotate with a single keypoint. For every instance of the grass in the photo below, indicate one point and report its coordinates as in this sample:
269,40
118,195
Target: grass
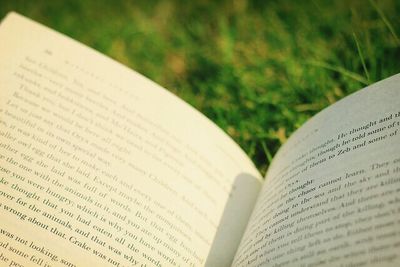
258,69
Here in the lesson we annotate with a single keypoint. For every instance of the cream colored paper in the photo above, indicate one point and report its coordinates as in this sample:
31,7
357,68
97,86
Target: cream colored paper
100,166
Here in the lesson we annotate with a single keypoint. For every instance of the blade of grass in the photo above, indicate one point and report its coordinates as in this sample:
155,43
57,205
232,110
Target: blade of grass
340,70
267,152
360,54
385,21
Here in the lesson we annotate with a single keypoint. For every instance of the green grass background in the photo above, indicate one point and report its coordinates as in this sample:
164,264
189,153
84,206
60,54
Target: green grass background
258,69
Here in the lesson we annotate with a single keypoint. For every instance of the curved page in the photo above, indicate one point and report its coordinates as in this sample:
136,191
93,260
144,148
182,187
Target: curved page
100,166
331,196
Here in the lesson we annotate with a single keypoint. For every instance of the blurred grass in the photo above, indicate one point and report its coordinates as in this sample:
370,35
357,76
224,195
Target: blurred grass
259,69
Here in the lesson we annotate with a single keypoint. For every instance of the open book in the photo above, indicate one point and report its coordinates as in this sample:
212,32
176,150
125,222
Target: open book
100,166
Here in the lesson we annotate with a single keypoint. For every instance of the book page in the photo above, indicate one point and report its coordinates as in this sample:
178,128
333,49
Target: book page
100,166
332,194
